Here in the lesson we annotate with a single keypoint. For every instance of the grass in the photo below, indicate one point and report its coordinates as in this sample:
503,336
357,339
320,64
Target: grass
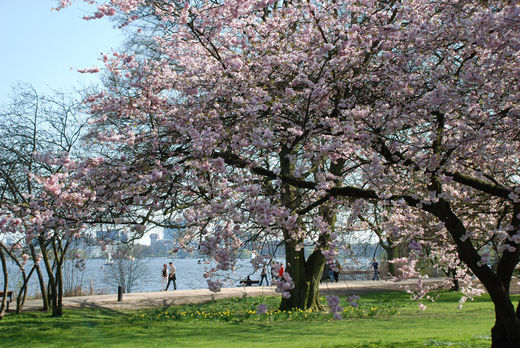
381,320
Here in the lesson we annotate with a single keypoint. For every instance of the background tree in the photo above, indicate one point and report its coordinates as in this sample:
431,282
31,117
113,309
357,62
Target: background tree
127,268
34,128
377,222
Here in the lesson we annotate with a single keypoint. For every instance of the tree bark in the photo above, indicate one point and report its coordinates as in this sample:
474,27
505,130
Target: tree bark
43,288
451,273
506,332
53,295
391,253
22,294
20,298
306,275
59,290
6,284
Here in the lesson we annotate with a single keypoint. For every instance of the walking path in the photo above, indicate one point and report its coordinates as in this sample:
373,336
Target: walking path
162,299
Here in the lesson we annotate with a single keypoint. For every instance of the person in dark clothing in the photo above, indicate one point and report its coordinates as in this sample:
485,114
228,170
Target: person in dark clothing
331,275
335,273
375,266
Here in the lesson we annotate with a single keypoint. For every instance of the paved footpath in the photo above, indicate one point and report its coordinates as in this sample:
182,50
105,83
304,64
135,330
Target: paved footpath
162,299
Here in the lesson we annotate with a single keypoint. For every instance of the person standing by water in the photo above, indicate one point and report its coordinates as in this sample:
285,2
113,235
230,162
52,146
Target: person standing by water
164,278
172,277
280,272
263,276
331,274
336,272
375,266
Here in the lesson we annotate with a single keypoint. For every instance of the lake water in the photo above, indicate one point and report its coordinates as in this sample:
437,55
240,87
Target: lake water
190,275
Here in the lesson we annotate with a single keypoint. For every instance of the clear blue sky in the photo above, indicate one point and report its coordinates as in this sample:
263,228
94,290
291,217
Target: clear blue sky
40,46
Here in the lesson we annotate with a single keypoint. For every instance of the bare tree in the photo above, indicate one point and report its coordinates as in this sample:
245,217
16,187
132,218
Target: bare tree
127,267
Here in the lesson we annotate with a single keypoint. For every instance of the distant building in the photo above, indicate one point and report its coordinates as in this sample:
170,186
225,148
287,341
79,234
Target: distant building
153,238
172,234
112,236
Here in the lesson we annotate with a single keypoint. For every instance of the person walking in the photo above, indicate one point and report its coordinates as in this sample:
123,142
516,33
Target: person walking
164,278
375,266
263,276
172,277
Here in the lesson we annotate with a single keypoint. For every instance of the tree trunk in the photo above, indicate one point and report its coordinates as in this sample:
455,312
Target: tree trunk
506,332
59,290
6,284
452,273
391,253
43,288
22,294
53,286
306,276
20,299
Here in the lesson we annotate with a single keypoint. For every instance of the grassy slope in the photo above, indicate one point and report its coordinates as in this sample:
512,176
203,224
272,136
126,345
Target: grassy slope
440,325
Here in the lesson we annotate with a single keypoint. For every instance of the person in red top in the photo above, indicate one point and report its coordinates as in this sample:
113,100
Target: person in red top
280,272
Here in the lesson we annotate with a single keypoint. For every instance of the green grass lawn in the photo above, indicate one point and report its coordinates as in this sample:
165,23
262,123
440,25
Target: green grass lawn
381,320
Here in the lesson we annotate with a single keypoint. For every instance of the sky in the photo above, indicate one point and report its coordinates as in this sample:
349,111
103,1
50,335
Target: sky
40,46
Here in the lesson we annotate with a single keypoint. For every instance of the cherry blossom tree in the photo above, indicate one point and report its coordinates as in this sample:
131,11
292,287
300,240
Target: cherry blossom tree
410,104
186,177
